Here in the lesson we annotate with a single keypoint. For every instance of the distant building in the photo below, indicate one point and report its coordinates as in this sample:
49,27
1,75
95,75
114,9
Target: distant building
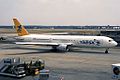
70,27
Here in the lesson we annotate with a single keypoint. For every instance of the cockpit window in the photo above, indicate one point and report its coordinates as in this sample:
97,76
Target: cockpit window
110,40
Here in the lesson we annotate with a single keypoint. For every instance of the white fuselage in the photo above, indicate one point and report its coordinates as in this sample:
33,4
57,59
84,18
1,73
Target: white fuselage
78,41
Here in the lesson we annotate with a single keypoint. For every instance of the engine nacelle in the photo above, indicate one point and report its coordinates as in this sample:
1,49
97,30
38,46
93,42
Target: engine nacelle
62,47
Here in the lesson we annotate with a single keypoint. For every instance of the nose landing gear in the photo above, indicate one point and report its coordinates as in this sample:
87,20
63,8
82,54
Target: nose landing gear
106,51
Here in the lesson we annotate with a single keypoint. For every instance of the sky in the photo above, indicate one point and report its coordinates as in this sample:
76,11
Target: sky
60,12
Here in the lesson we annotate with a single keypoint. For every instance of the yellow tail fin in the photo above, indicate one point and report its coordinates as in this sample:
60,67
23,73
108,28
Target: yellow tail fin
19,28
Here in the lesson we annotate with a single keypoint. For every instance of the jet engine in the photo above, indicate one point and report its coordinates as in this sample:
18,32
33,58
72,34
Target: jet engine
62,47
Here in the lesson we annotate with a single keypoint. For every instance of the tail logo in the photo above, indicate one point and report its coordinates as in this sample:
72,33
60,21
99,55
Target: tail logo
19,28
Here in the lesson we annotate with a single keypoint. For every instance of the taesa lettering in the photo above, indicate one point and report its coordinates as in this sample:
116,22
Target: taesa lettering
90,42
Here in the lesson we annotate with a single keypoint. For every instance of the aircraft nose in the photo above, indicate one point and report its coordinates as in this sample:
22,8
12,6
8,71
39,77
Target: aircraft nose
115,43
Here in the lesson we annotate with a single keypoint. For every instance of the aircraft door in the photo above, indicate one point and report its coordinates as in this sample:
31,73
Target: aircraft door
98,43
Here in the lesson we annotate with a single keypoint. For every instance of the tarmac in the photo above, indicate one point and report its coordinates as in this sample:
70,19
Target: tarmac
77,64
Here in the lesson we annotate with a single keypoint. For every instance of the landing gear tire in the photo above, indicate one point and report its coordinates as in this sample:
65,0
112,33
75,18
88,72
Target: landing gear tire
106,51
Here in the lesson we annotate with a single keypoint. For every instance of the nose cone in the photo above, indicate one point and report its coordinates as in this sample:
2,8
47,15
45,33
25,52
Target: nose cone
115,43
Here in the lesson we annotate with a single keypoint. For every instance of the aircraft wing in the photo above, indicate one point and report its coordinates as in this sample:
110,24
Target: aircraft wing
41,43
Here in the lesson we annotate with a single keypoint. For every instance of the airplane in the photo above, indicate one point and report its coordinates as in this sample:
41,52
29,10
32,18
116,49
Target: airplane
62,42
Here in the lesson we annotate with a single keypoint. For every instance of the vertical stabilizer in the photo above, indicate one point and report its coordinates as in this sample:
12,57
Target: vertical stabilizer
19,28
